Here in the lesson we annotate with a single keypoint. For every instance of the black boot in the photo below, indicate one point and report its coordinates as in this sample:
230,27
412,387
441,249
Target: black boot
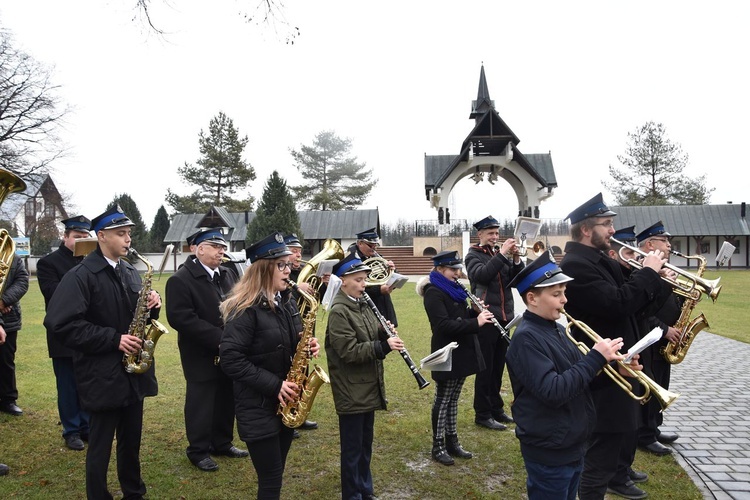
454,447
439,453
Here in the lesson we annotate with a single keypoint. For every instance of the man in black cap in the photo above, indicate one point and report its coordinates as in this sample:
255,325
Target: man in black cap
490,270
15,286
91,312
49,271
193,295
364,248
650,438
600,297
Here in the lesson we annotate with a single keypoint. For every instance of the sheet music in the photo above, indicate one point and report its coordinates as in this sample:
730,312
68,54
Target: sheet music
725,253
652,336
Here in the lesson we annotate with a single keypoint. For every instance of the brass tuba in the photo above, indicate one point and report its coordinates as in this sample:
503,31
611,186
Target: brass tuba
294,413
308,274
9,183
146,329
651,388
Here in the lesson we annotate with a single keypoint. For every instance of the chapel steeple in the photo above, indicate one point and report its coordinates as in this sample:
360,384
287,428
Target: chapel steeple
483,102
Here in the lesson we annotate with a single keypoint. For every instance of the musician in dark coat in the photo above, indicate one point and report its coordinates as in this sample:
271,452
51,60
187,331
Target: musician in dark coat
91,312
364,248
16,285
49,271
451,320
193,295
600,297
490,271
259,341
650,437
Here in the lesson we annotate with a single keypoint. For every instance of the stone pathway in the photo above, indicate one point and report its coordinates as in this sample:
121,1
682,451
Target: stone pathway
712,416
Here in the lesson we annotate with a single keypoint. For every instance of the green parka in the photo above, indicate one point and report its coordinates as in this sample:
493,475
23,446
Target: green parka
355,354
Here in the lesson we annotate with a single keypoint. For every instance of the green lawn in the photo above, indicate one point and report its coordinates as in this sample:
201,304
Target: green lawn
41,466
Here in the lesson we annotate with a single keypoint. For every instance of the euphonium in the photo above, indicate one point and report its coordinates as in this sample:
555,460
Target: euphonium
675,352
308,274
294,413
146,329
651,388
9,183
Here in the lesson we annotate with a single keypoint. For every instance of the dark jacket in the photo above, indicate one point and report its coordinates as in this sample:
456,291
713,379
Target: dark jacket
16,286
49,271
452,321
600,297
192,305
383,302
256,353
489,274
552,405
89,312
355,352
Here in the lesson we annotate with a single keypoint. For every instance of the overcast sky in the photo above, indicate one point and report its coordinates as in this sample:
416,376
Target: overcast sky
571,78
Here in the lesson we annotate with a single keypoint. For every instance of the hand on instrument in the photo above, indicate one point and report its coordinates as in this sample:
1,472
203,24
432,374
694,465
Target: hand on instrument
305,287
314,347
396,343
655,260
633,365
485,317
667,273
385,290
2,335
673,334
129,344
288,392
154,300
508,246
609,348
325,278
390,264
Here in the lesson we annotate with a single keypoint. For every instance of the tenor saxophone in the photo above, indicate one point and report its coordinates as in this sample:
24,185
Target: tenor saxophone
295,412
146,329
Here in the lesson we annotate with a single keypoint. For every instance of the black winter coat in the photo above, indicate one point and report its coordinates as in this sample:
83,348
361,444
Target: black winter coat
384,303
90,310
600,297
16,286
49,271
452,321
192,306
552,405
256,353
489,274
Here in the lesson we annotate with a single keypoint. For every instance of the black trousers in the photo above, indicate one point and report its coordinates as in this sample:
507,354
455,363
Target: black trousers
127,424
8,389
652,417
269,459
604,462
487,400
209,417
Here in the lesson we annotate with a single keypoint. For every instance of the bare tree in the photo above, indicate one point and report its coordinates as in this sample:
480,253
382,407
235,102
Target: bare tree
30,112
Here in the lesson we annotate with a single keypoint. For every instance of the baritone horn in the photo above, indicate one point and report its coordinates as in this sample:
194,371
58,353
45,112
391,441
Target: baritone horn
651,388
9,183
686,284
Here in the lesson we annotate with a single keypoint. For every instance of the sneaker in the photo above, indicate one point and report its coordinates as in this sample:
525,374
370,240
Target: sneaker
627,490
74,442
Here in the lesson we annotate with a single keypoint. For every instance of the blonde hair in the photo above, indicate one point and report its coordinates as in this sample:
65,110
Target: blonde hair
255,284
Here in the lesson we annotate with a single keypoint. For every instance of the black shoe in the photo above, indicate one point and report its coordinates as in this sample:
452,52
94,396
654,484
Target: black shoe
454,448
504,418
657,448
667,438
4,469
490,423
74,442
206,465
308,425
232,452
369,497
295,434
10,407
637,477
627,490
441,456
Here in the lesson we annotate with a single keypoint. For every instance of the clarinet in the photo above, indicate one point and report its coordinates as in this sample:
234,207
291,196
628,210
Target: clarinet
478,304
404,353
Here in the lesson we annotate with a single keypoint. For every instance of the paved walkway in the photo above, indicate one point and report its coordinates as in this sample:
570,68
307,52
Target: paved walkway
713,416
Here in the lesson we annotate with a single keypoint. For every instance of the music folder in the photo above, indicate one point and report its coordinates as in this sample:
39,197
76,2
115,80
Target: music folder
652,336
725,253
440,360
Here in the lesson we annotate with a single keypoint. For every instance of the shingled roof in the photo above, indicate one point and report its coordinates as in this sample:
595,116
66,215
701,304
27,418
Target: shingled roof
687,220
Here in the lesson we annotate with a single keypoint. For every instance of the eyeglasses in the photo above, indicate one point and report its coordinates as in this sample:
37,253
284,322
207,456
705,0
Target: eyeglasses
665,240
606,224
281,265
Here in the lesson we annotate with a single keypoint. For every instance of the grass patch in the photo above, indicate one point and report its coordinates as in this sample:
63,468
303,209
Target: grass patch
42,467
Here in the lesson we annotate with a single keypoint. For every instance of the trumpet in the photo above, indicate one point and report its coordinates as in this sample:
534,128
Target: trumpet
651,388
686,284
537,248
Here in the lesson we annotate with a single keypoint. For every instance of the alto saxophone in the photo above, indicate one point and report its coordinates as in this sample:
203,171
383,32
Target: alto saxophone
146,329
294,413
